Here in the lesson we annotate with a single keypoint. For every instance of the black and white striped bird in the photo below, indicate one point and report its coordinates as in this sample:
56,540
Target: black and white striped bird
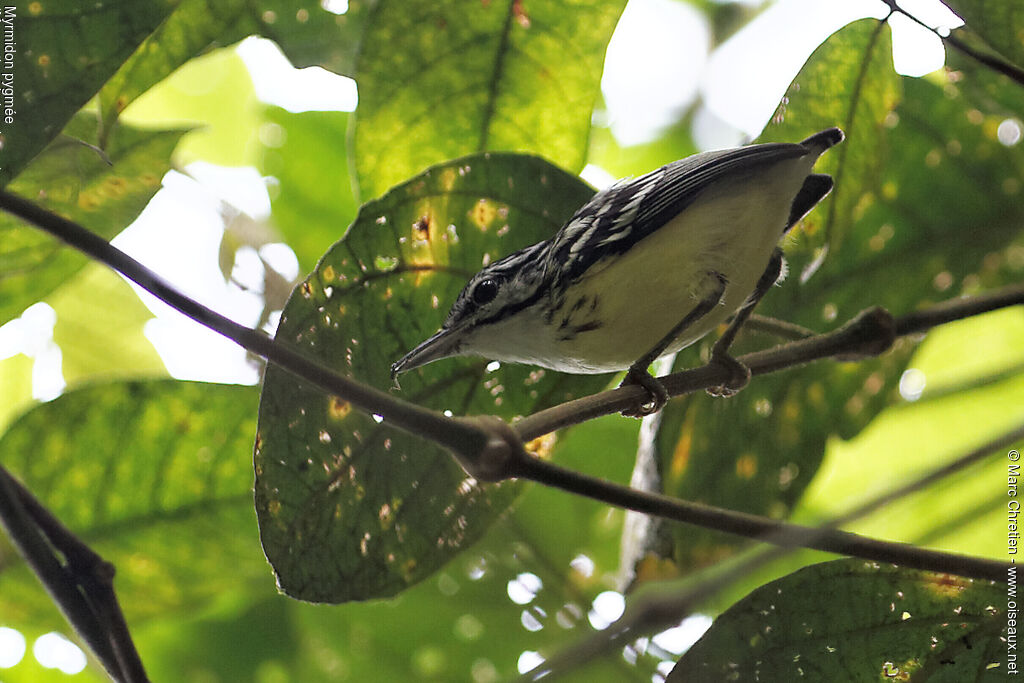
645,268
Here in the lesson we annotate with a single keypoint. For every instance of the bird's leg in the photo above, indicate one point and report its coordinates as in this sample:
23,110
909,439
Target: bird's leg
637,373
739,374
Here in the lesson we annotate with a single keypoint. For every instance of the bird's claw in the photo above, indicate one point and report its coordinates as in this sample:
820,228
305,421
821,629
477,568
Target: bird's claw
658,395
739,376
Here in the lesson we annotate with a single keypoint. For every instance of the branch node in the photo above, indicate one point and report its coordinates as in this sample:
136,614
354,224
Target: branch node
871,333
501,454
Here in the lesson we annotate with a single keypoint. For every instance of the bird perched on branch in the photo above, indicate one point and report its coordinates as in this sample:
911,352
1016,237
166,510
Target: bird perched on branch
645,268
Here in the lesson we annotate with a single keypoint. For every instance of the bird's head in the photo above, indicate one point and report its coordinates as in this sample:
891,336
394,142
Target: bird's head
497,294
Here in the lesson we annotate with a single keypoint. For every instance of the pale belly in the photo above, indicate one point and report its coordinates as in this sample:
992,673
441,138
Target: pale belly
643,294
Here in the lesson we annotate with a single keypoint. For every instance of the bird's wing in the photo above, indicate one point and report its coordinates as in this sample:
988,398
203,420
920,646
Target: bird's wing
621,215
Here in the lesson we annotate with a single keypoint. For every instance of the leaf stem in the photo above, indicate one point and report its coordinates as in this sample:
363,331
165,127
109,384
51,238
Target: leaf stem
997,64
82,586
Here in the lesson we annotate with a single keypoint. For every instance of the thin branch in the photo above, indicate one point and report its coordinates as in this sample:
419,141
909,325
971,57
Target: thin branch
970,458
958,309
81,587
658,608
753,526
867,334
997,64
782,329
96,577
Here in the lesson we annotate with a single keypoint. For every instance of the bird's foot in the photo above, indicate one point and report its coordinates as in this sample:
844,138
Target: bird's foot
738,375
655,389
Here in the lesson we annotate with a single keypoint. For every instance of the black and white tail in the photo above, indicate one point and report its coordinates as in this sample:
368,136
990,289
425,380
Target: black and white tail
817,185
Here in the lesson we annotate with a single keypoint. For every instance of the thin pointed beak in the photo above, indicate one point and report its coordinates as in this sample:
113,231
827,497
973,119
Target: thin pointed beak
441,345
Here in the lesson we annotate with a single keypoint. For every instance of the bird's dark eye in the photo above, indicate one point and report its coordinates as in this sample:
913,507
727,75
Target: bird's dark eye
484,292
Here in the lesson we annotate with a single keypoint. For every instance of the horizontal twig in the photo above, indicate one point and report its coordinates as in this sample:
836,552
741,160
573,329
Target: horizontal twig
660,607
756,527
869,333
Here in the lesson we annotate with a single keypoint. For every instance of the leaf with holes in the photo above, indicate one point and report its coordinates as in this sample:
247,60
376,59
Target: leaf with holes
350,508
999,23
442,79
851,620
75,181
65,50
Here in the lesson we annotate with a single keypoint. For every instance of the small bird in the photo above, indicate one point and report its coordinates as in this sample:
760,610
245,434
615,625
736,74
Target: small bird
645,268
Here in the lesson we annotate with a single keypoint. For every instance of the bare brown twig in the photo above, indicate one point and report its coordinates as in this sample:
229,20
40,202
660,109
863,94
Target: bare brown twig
992,61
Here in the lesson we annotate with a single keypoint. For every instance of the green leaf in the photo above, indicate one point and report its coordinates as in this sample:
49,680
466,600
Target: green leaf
307,33
674,143
65,50
249,639
848,82
953,416
214,90
850,620
29,670
155,476
999,23
193,27
99,328
457,625
946,196
72,179
351,509
308,155
441,79
16,380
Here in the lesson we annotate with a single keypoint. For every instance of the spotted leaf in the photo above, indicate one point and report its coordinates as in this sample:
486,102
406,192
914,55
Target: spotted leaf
349,507
851,620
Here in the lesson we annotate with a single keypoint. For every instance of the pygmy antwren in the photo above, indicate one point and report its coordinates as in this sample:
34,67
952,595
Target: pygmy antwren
645,268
